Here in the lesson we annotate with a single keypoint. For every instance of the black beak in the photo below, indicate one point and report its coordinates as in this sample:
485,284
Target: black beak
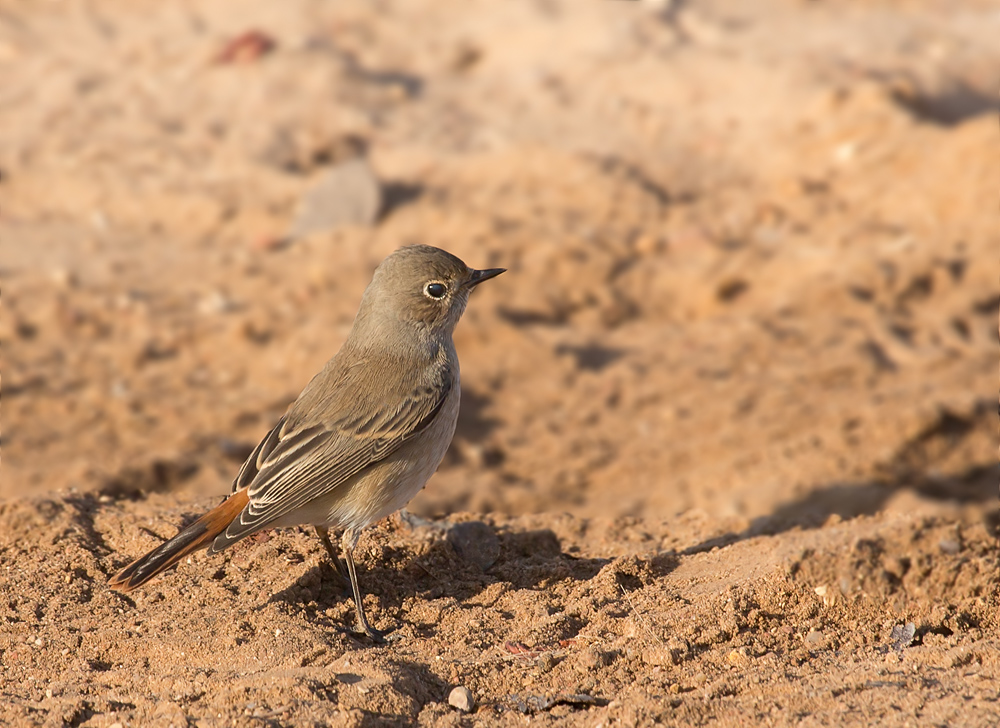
478,276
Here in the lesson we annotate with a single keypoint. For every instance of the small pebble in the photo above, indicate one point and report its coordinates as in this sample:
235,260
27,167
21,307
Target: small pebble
348,193
62,277
475,543
215,302
461,698
738,658
902,635
950,546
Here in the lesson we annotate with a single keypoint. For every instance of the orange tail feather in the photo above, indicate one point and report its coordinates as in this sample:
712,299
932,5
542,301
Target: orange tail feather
198,535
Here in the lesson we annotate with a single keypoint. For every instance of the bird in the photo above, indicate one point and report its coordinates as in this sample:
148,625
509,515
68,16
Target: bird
365,434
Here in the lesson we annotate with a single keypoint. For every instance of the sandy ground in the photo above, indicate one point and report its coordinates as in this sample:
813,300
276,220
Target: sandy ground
727,450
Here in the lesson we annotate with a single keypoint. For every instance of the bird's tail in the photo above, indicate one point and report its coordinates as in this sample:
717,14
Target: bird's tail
198,535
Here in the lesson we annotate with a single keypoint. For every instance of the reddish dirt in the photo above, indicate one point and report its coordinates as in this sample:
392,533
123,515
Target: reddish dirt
728,429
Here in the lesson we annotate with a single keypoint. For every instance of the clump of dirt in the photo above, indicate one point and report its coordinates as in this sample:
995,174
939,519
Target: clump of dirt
727,447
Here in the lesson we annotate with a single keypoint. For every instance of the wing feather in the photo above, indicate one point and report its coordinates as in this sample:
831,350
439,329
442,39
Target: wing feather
295,465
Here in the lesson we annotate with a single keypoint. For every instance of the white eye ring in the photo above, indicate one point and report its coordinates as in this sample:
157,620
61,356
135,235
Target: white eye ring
435,290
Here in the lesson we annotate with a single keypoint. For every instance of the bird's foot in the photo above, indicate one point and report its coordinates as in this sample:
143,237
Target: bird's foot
377,636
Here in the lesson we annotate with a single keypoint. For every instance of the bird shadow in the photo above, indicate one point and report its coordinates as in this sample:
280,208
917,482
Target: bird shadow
523,560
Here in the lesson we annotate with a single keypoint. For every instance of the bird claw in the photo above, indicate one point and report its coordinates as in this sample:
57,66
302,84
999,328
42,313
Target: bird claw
378,636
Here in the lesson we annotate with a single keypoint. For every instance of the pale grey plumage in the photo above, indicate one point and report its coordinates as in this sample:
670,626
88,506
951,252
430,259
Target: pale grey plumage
367,432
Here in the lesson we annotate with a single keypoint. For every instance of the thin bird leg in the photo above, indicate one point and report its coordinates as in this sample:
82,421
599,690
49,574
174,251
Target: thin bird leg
324,535
348,542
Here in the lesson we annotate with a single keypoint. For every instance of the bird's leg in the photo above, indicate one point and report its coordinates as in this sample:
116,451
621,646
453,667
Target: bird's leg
347,543
324,535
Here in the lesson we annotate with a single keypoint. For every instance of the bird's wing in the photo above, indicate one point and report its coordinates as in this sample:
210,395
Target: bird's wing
295,464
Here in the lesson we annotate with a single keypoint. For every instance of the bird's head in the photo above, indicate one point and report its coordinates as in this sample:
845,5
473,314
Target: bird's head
422,286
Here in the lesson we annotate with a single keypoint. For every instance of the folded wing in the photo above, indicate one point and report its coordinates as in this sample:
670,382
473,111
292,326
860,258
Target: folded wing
298,461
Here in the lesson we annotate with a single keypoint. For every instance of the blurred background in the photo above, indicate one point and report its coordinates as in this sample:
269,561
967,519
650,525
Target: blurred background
752,247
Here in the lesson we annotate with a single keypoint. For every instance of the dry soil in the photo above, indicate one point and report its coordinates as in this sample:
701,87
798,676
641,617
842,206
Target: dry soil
727,450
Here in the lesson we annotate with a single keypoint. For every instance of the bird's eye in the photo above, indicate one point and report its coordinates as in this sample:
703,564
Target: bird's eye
435,290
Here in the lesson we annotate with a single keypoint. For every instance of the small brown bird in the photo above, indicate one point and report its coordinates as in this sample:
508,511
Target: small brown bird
365,434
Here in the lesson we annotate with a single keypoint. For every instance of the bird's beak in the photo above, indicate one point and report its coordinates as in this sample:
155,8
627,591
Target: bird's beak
478,276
